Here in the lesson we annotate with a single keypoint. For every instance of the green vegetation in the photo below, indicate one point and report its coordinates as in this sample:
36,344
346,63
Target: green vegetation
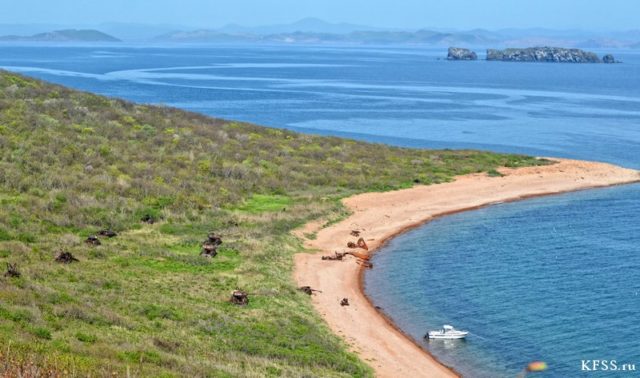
259,203
72,163
494,173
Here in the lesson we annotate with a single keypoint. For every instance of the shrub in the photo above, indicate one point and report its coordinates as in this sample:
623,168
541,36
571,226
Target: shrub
42,333
86,338
4,234
494,173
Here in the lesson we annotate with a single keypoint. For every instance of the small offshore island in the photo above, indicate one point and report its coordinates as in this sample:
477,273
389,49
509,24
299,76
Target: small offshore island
533,54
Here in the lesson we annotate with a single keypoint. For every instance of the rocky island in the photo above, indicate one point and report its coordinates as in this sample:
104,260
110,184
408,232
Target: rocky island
457,53
546,54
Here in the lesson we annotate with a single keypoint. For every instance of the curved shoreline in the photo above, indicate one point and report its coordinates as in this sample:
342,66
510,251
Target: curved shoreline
382,216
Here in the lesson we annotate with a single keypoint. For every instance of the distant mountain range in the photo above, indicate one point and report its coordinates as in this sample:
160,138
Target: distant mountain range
309,25
312,30
68,35
132,32
471,38
316,31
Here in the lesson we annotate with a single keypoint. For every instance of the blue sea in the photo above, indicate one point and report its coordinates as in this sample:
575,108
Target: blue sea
554,279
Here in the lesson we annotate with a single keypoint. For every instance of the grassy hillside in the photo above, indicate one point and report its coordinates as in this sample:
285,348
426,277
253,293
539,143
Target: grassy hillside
72,163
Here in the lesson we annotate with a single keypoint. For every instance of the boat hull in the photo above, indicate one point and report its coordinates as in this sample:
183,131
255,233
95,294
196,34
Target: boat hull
446,337
440,336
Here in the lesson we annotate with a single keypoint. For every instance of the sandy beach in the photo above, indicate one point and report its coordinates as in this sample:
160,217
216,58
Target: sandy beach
380,216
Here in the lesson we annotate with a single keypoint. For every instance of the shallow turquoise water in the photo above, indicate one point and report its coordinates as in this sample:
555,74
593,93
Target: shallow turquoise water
552,278
555,278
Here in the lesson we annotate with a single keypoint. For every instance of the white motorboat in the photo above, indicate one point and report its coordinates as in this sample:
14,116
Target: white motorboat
446,333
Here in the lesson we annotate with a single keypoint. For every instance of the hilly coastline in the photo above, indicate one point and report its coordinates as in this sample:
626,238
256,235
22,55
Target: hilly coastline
318,31
68,35
107,206
427,37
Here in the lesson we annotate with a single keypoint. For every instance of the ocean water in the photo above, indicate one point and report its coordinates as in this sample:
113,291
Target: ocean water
554,278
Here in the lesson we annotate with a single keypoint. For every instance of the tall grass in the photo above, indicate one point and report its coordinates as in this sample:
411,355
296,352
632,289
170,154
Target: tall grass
72,163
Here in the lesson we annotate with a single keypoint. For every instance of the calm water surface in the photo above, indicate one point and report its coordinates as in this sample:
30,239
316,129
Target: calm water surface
554,278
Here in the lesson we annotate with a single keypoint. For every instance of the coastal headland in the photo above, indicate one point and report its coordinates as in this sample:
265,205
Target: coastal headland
381,216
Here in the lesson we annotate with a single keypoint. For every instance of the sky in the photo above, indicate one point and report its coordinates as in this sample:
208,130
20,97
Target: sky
406,14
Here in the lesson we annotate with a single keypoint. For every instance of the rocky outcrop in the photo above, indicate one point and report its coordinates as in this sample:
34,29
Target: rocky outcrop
457,53
543,54
609,59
